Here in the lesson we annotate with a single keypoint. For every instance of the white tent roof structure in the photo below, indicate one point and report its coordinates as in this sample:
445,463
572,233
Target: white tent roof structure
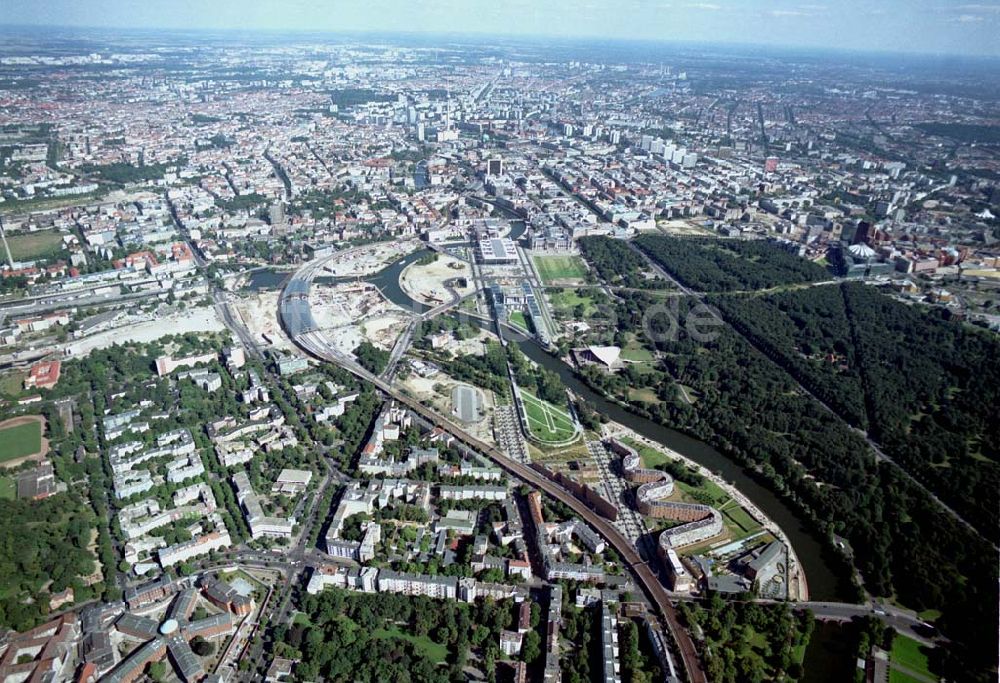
606,354
861,250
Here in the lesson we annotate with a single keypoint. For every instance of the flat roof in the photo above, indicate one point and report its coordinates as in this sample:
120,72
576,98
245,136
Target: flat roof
291,476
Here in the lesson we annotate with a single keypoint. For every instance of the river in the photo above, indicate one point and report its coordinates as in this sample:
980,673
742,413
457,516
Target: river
824,584
267,278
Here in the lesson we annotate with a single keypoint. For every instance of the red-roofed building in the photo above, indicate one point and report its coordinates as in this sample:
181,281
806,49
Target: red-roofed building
137,261
524,617
181,252
29,273
45,653
87,674
43,375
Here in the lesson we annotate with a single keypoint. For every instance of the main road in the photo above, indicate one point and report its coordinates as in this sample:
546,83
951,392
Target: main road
293,311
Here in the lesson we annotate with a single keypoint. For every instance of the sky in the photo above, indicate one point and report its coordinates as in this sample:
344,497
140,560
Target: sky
955,27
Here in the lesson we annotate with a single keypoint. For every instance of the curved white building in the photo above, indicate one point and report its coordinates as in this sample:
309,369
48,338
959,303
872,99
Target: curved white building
701,521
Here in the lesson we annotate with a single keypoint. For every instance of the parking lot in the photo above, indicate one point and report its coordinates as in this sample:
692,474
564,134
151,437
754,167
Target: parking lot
629,521
507,427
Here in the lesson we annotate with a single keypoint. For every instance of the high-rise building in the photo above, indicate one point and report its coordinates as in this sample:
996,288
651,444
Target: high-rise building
494,166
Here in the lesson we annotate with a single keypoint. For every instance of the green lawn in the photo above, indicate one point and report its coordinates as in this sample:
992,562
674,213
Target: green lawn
547,423
636,354
8,488
518,319
708,492
552,268
19,441
12,383
435,651
34,245
900,677
742,519
910,653
650,457
565,300
645,395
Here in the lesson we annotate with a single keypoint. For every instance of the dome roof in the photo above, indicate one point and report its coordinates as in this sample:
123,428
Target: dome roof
861,250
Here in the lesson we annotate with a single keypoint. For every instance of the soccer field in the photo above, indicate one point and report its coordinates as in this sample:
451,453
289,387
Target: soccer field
32,245
20,440
547,423
553,268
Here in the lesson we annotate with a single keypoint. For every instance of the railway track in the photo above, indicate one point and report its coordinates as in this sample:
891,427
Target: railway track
313,344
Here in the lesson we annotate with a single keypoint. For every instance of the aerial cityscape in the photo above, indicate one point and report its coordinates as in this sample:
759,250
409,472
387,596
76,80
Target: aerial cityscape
449,353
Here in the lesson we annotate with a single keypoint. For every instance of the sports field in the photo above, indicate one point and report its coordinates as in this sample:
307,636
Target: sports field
20,440
555,268
546,422
34,245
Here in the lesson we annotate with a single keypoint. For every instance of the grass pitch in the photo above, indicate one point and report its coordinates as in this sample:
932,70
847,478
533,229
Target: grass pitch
553,268
34,245
20,441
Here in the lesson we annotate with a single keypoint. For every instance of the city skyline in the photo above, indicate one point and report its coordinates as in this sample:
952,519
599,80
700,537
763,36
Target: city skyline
395,351
923,27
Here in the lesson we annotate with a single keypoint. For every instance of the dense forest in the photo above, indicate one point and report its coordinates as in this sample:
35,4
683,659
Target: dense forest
963,132
123,173
809,333
713,265
618,264
360,637
750,409
925,388
372,358
747,641
43,550
351,97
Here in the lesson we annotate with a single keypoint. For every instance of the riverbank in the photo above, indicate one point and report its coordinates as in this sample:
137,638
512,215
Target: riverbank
798,588
431,283
827,581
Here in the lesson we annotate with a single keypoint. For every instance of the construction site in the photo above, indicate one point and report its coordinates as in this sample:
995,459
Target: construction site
350,313
368,259
432,283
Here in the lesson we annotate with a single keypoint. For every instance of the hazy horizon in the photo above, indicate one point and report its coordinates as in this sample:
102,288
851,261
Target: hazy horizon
919,27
